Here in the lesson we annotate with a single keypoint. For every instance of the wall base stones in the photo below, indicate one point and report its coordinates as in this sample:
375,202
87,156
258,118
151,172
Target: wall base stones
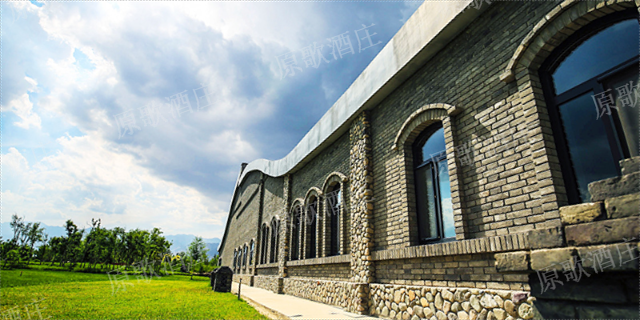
438,303
347,295
271,283
246,279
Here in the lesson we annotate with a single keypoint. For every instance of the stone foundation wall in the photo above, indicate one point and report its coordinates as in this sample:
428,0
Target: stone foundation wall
270,283
246,279
322,272
338,293
437,303
474,271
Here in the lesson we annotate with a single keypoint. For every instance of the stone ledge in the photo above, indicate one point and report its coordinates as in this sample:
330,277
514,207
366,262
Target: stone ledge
623,206
601,232
580,213
615,187
345,258
534,239
267,265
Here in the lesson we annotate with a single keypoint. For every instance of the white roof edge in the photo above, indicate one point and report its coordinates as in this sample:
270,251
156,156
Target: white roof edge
406,50
426,32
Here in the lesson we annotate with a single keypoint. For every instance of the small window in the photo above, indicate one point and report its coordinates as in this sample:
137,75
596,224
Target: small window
312,221
334,203
274,241
244,256
295,232
263,245
251,251
433,191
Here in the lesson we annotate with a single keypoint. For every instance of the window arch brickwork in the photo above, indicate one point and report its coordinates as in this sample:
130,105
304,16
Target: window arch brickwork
343,227
558,25
410,130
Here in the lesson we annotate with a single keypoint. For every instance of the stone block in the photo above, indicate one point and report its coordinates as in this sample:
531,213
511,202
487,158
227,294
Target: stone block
615,187
601,232
550,259
545,238
623,206
595,288
610,257
630,165
551,309
512,261
580,213
607,312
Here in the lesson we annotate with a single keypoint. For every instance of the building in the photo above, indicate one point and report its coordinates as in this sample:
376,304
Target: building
484,165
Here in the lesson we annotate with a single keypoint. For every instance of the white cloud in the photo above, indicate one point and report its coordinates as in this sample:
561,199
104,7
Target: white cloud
87,179
23,108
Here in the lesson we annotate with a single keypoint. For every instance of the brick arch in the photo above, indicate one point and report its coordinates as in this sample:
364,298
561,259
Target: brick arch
421,119
415,124
313,191
554,28
343,226
550,32
333,178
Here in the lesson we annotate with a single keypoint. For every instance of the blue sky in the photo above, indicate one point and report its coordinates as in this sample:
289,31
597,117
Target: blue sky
140,113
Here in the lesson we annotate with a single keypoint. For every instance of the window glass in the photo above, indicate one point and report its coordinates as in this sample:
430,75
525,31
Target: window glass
434,145
445,199
587,142
603,51
426,198
625,94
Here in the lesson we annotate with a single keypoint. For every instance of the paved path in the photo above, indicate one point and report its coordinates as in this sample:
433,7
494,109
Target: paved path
280,306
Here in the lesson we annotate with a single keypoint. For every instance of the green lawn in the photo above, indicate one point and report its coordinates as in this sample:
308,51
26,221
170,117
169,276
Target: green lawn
70,295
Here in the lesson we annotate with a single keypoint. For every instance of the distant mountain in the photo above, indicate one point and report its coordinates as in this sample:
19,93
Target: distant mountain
52,231
180,241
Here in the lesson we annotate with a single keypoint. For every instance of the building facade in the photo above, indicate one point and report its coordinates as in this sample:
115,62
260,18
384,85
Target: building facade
483,166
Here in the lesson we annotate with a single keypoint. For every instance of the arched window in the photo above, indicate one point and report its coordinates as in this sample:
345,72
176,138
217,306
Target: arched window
263,245
235,258
334,204
312,223
274,240
296,219
433,191
251,251
244,256
596,69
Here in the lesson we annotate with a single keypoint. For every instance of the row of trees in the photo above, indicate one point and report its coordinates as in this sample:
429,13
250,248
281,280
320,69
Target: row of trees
96,247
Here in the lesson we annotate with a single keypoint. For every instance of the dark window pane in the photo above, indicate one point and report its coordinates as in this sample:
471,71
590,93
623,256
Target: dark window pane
587,141
603,51
425,191
445,199
624,93
334,202
434,145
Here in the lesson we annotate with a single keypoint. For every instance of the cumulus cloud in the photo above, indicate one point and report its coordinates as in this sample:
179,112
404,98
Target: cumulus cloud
90,65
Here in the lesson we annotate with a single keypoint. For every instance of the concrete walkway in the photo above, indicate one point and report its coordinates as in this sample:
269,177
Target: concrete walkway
280,306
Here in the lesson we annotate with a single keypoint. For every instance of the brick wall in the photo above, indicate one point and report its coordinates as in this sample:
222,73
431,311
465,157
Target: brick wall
322,272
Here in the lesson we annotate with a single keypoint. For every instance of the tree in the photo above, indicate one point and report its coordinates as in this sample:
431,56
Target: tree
198,249
34,234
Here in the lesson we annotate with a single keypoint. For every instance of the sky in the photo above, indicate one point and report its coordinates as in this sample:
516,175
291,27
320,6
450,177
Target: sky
141,113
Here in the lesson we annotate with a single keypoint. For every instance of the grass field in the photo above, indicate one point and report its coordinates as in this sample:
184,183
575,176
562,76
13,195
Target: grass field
71,295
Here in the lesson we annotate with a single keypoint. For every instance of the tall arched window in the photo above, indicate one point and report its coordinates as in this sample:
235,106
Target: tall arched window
235,258
433,191
244,256
312,223
596,69
296,218
251,251
334,203
274,240
263,245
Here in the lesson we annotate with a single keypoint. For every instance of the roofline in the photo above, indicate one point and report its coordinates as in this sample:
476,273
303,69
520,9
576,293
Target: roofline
428,30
